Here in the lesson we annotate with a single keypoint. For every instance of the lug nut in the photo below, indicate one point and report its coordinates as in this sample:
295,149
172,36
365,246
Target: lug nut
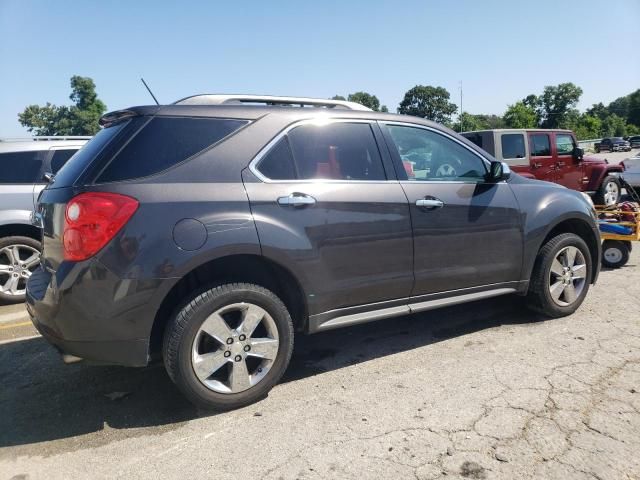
15,274
243,337
229,341
238,358
227,353
247,348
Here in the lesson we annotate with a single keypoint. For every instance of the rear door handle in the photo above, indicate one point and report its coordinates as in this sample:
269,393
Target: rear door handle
430,203
296,200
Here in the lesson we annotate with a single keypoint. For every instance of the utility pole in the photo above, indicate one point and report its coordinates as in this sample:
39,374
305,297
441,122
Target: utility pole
461,119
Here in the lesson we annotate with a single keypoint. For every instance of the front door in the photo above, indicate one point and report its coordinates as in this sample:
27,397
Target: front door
569,170
467,232
326,207
543,165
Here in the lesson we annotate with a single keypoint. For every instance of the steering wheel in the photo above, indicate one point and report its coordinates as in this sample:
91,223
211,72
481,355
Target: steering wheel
446,170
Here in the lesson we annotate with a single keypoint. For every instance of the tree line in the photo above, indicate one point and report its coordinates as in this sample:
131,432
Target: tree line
555,107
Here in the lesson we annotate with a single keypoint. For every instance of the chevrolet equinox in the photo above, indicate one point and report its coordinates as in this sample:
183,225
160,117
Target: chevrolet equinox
210,230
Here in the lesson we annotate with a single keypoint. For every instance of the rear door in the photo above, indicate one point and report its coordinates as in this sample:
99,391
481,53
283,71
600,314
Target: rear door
467,232
569,171
20,175
543,165
327,206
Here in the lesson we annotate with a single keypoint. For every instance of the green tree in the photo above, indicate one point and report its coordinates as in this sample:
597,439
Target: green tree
81,118
468,122
598,110
366,99
520,115
558,103
338,97
384,109
587,127
614,126
428,102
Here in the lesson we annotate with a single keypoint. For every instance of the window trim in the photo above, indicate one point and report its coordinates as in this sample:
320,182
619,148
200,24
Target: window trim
255,162
487,162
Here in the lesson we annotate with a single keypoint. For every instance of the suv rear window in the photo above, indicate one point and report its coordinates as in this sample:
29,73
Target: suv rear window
164,142
21,167
339,151
60,157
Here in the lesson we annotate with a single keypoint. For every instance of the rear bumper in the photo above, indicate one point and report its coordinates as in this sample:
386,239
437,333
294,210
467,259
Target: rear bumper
87,312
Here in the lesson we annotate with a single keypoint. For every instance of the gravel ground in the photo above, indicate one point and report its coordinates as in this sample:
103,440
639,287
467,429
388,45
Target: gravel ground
482,391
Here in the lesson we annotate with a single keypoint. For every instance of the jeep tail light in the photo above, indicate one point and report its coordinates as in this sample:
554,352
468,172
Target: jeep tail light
91,220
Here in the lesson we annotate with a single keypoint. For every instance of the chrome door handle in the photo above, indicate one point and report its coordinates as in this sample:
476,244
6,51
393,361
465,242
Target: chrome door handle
296,200
429,203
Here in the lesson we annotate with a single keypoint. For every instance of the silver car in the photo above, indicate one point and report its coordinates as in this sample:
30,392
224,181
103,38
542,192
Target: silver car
23,164
632,172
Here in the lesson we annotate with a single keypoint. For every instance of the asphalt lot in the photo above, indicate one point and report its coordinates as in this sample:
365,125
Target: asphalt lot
484,390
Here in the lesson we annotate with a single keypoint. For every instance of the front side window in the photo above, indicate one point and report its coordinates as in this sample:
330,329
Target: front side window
564,144
337,151
513,145
21,167
540,146
429,156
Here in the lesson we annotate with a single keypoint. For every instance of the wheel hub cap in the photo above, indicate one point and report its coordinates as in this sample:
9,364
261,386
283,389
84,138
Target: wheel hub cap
17,262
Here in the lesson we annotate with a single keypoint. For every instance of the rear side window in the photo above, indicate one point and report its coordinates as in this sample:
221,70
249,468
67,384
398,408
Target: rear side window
564,144
513,145
79,162
60,157
21,167
339,151
540,146
164,142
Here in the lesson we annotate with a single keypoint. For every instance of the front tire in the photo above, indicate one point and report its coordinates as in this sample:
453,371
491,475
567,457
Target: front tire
19,257
615,253
229,346
561,276
609,193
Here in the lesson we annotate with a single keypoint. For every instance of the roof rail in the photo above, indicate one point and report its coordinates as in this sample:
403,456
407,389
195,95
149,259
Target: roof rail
214,99
43,138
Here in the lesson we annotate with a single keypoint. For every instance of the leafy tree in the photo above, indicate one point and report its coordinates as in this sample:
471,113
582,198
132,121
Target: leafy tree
81,118
366,99
428,102
586,126
384,109
338,97
627,107
598,110
520,115
557,103
469,122
614,126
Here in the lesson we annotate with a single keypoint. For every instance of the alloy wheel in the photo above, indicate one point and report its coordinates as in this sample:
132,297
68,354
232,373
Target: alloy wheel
568,276
234,348
17,263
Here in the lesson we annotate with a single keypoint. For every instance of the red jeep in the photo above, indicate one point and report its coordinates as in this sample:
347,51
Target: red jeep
554,156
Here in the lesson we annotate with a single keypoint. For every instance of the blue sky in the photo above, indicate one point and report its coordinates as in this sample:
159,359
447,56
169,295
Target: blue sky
500,50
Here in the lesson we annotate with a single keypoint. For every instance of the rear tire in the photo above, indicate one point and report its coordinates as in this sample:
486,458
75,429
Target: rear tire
609,193
17,269
615,253
211,360
558,284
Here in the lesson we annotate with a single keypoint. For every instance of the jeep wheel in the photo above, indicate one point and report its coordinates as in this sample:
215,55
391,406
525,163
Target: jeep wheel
229,346
19,257
609,192
615,253
560,278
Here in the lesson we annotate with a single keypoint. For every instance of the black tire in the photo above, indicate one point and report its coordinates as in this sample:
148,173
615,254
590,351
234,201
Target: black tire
6,242
539,297
615,253
598,199
182,329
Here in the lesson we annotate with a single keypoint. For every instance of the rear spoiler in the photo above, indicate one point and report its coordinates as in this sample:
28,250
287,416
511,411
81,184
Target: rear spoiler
110,118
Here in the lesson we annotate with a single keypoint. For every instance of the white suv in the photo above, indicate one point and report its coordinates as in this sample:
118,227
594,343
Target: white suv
23,165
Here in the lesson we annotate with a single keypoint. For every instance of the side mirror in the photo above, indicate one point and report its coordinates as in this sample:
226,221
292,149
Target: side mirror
498,171
578,153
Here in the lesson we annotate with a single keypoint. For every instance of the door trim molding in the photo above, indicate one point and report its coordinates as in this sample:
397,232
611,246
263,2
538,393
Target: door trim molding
368,313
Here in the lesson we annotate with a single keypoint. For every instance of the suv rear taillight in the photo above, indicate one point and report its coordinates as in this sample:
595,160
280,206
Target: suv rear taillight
91,220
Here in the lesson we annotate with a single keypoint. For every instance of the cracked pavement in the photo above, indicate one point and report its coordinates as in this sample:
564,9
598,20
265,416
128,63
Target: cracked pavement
483,391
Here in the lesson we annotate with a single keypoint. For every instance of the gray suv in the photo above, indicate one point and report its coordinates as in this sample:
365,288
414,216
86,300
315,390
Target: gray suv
208,231
23,162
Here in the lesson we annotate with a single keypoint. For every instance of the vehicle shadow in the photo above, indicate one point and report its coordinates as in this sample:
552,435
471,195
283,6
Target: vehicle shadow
42,399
